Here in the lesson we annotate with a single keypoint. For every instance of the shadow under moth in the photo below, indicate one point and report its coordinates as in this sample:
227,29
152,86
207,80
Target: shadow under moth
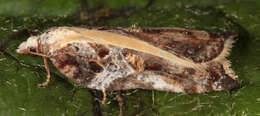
166,59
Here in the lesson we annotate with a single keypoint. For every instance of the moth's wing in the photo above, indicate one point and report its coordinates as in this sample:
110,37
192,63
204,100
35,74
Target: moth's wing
199,46
209,48
117,65
92,65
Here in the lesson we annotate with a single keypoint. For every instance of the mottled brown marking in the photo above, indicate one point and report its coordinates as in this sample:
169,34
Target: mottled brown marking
214,75
83,77
95,67
65,60
214,35
127,83
193,89
191,71
135,61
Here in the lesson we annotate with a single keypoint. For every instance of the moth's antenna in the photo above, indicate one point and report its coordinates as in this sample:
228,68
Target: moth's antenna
104,96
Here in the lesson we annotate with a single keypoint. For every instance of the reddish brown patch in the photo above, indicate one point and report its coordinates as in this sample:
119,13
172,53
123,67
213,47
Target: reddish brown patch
194,89
125,52
214,75
181,75
210,83
154,66
103,52
65,60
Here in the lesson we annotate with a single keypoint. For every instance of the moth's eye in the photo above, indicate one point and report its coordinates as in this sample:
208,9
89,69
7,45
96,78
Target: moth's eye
32,49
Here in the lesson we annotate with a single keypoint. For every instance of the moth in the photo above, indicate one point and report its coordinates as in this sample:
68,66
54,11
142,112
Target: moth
165,59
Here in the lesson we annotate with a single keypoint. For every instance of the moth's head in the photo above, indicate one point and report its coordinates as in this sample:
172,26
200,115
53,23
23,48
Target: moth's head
29,46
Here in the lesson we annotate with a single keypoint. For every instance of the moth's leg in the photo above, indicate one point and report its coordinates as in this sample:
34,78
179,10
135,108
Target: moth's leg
48,77
38,54
120,100
104,96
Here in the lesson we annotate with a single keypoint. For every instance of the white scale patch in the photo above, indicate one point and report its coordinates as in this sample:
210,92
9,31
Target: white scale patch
119,69
158,83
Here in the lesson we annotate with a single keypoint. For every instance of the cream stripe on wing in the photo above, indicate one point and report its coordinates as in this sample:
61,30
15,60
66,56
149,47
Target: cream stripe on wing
103,37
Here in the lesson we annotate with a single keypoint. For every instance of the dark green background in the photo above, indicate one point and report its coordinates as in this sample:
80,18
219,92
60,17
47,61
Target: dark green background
20,74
